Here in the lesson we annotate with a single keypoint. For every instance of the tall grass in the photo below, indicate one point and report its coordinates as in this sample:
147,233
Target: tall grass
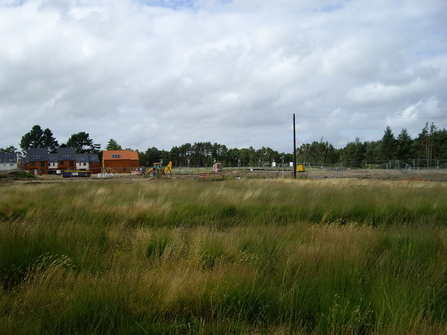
236,257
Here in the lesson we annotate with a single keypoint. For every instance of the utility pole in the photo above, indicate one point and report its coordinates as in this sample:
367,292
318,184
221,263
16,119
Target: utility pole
294,148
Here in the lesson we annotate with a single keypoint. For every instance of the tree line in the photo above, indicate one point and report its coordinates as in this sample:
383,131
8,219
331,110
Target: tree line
429,145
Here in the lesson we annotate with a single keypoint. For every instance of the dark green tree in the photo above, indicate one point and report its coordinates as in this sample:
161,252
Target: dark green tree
372,151
354,153
185,153
38,138
218,153
303,154
174,155
424,144
113,145
151,156
83,143
441,143
232,156
388,145
405,149
8,150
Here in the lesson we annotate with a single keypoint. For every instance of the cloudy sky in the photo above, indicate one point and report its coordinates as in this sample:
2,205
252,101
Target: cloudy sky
161,73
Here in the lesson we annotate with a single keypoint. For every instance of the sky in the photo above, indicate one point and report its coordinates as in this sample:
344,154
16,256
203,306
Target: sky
162,73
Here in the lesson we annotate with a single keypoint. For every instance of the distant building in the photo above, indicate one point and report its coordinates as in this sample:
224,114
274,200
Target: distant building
39,161
9,161
121,161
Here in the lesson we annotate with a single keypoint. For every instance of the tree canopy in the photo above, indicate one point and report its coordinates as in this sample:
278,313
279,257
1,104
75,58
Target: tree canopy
38,138
430,145
83,143
9,150
113,145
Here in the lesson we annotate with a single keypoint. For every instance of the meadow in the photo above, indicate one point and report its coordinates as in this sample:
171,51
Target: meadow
267,256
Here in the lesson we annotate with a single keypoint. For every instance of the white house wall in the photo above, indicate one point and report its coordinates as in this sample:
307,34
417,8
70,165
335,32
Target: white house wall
82,166
8,166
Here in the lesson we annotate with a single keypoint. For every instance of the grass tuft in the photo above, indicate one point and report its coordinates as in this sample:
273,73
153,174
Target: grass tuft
238,257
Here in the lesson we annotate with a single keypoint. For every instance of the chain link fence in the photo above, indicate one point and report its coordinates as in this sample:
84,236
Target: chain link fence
392,169
398,169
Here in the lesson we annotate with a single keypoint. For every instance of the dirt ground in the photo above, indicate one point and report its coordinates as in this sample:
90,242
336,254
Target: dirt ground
397,175
420,175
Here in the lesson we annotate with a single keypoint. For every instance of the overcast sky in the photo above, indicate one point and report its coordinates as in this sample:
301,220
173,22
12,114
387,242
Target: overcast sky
161,73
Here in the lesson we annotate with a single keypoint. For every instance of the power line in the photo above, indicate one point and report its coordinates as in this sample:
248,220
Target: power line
370,118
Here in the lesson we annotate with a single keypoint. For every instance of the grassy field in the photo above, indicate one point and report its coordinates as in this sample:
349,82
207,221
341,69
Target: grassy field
273,256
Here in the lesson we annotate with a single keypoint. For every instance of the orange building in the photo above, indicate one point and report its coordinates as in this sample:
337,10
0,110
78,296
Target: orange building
122,161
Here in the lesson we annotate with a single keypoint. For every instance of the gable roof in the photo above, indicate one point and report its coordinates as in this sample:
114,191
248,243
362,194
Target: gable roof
93,158
120,155
66,154
8,157
37,154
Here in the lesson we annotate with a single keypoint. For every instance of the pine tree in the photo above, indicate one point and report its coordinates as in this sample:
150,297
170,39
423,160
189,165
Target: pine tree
38,138
388,145
405,148
113,145
83,143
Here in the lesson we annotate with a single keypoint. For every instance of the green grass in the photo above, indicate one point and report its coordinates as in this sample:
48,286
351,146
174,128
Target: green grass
234,256
17,175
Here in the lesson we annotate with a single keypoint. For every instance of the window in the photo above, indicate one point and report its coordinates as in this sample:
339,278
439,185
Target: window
71,163
82,159
10,155
116,156
42,164
61,162
66,156
38,157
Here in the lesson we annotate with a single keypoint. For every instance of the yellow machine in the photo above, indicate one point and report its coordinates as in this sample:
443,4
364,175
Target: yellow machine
167,168
159,168
300,168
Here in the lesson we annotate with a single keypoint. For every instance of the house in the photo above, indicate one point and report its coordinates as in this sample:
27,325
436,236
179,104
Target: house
66,159
9,161
88,162
121,161
39,161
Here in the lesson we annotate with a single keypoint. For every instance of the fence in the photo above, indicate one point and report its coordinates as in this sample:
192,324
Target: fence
340,170
406,169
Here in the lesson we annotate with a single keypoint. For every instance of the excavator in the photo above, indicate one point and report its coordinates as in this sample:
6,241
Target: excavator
157,168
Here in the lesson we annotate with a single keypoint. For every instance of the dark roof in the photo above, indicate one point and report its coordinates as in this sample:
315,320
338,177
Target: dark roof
93,158
63,154
6,157
82,157
66,154
38,154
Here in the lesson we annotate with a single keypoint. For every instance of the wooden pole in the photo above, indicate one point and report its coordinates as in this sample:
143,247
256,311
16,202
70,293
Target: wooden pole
294,148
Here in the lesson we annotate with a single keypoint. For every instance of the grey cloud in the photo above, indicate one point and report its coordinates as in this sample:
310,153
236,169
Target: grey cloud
166,73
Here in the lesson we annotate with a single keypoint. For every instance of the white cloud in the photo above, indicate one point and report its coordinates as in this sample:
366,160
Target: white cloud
162,73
